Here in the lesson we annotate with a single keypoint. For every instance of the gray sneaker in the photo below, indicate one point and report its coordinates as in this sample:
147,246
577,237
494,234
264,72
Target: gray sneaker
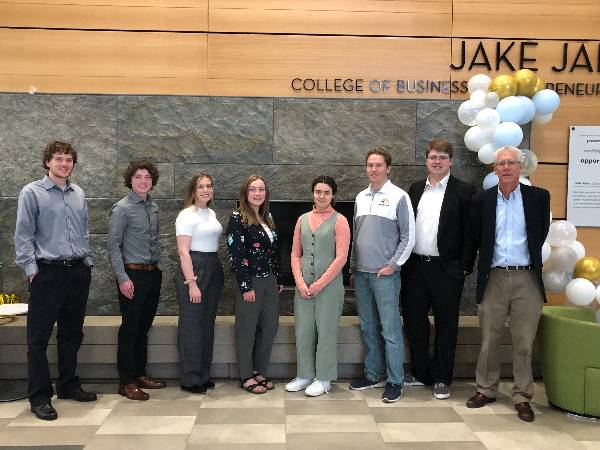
409,380
441,391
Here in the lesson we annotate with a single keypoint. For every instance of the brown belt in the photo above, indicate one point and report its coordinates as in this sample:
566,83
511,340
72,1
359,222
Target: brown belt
144,267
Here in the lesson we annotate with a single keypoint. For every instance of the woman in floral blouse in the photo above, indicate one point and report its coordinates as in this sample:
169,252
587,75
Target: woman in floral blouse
254,257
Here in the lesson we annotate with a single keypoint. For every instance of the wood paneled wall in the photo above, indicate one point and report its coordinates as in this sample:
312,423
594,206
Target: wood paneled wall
256,47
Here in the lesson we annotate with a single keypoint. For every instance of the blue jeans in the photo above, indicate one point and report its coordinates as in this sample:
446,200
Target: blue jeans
378,306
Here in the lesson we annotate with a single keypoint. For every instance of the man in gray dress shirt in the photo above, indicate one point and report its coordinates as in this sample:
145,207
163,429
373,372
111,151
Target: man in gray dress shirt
52,247
134,253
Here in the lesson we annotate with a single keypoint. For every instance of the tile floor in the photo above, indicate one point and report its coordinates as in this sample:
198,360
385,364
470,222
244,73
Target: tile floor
229,419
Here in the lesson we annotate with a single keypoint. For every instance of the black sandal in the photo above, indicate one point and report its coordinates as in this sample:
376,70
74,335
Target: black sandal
251,387
264,383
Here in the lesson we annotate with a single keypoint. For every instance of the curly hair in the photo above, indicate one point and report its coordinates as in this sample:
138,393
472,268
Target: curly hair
57,147
136,165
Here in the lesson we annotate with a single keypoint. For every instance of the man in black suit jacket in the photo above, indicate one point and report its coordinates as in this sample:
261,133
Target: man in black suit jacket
510,223
433,277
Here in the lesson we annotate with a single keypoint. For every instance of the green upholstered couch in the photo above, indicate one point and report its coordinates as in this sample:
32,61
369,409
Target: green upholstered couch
570,346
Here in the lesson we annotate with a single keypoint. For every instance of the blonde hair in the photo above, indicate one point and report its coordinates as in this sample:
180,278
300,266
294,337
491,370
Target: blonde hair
246,212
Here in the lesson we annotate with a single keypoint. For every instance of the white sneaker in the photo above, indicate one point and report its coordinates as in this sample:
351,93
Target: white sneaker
318,388
297,384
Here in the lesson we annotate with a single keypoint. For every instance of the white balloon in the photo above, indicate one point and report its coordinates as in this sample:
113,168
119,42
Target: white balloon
555,281
490,180
546,249
530,162
510,109
479,82
476,137
524,180
580,292
542,119
486,153
528,108
546,101
488,119
467,111
561,233
491,100
579,249
507,133
563,259
478,97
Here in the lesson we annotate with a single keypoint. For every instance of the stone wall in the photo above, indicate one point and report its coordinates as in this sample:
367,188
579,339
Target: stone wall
287,140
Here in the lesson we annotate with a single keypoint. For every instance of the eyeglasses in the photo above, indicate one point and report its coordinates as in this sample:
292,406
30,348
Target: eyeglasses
438,158
508,163
253,189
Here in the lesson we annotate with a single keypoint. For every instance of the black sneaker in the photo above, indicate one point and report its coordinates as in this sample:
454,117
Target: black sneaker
441,391
209,385
392,393
363,383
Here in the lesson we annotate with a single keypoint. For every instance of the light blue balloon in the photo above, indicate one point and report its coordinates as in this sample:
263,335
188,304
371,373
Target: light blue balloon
490,180
598,316
546,101
507,133
528,110
510,109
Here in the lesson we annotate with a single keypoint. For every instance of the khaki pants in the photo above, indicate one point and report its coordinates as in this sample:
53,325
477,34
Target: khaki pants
513,294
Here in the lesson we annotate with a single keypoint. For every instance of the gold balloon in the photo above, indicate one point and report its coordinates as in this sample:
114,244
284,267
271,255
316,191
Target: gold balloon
587,267
539,85
526,81
503,85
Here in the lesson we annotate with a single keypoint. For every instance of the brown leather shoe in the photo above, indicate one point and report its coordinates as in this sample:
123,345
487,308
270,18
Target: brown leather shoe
525,412
148,383
479,400
132,392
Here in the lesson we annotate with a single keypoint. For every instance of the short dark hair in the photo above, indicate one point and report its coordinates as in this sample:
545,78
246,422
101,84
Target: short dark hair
60,147
440,145
136,165
329,181
379,151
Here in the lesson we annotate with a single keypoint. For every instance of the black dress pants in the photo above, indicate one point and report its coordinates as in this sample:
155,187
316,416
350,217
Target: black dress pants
425,285
58,294
137,317
196,330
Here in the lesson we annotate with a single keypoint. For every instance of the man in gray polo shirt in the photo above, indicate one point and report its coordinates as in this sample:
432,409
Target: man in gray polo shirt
134,252
52,247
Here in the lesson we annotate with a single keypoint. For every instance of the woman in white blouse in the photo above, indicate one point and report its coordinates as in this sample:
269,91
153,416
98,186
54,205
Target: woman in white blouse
199,283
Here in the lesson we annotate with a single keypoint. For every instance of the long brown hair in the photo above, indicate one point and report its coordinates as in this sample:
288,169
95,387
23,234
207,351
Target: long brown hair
190,196
246,211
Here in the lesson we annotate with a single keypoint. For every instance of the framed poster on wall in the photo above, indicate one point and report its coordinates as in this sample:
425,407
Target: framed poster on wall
583,190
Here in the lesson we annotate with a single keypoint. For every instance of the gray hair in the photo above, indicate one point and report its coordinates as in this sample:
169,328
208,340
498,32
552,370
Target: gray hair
518,153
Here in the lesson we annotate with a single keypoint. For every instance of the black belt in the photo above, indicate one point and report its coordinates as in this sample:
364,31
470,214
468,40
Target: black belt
513,267
61,262
427,258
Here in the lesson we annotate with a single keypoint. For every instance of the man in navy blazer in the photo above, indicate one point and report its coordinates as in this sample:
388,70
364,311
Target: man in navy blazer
434,275
510,223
